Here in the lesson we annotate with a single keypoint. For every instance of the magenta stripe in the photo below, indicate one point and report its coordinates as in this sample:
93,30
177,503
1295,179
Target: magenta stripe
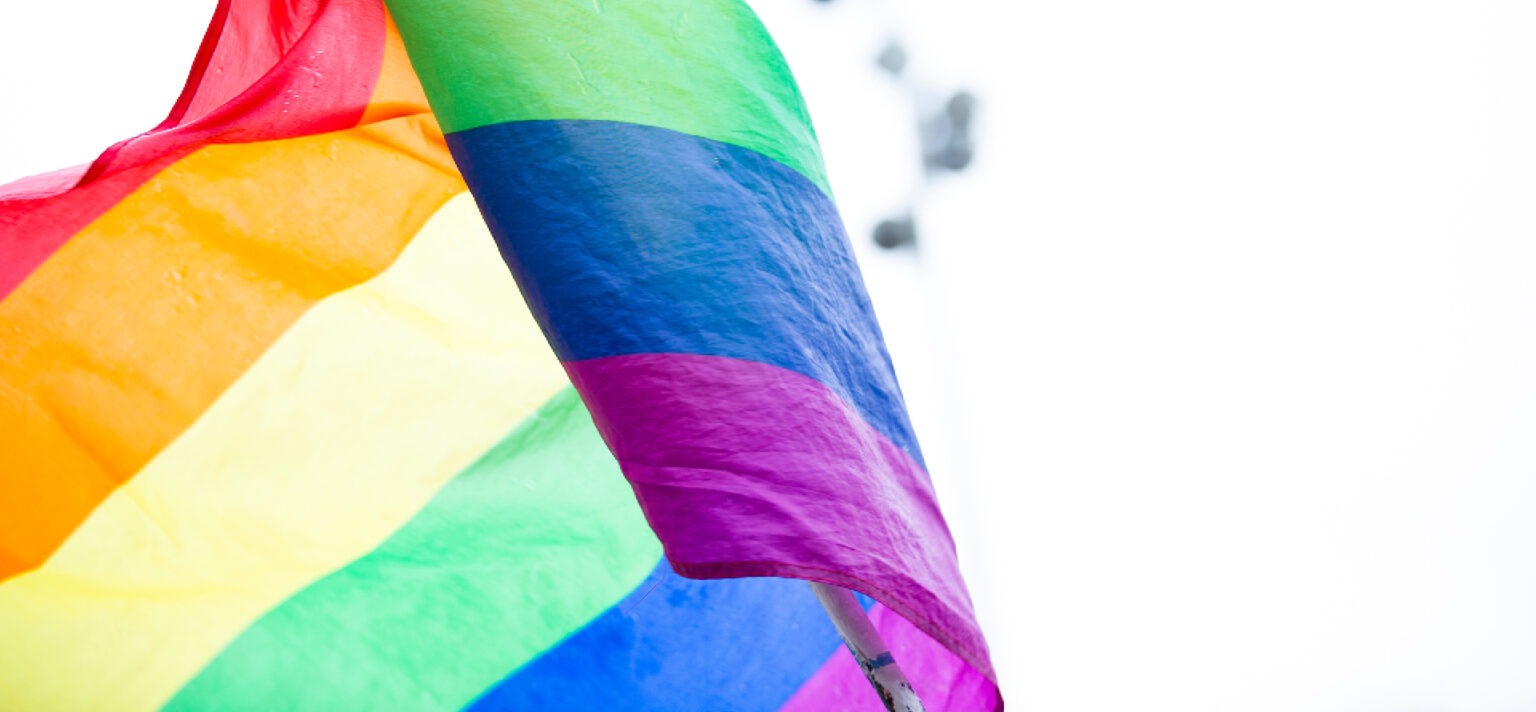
942,680
804,485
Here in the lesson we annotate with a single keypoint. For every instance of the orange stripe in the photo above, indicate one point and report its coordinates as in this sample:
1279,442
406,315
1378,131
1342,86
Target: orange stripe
260,75
396,92
119,341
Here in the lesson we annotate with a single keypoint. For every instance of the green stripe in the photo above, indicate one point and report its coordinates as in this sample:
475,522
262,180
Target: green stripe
702,67
515,553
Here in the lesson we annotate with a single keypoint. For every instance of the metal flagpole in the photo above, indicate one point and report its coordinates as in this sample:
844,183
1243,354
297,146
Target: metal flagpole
873,655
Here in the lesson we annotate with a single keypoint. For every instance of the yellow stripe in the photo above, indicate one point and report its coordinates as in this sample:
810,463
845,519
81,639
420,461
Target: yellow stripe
330,442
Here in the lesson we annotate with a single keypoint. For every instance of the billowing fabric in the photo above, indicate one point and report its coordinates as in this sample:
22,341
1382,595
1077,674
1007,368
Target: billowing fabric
279,429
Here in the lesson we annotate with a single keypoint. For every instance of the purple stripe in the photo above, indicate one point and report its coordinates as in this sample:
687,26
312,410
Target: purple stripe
805,487
942,681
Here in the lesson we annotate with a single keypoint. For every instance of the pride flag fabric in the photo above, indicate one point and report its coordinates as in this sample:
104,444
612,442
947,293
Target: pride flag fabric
278,429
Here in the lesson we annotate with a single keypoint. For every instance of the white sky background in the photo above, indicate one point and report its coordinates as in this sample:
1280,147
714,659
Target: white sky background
1224,351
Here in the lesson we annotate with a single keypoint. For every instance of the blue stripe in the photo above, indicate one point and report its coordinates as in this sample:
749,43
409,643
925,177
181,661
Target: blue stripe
676,644
631,239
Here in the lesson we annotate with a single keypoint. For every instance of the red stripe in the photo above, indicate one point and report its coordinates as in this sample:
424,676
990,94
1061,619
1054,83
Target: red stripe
324,58
199,71
33,229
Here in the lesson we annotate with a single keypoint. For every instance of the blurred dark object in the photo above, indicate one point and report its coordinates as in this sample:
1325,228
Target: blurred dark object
946,134
896,233
893,58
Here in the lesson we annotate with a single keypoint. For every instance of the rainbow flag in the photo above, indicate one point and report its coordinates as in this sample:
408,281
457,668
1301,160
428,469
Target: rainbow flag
278,429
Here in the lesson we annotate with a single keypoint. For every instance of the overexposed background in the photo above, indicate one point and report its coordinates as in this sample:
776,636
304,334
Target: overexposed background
1223,350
